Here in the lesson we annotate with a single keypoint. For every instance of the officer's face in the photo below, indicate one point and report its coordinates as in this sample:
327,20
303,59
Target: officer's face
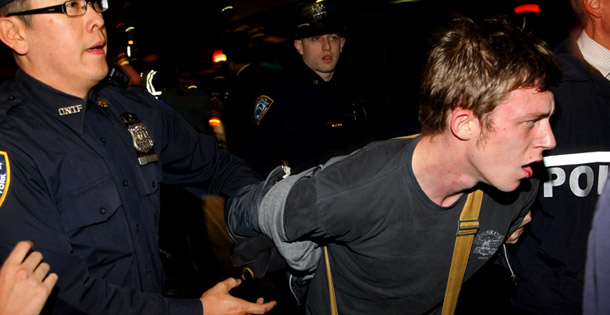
321,53
67,53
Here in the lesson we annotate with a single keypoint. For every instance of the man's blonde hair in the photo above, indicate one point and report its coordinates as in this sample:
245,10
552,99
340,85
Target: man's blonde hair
475,67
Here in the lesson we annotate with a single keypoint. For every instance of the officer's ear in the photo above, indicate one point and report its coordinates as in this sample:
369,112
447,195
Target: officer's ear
298,44
12,34
593,7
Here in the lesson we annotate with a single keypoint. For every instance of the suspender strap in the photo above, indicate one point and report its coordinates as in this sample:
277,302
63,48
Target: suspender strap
467,228
468,225
333,302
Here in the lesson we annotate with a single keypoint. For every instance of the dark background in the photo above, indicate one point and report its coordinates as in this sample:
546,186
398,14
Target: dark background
386,44
385,51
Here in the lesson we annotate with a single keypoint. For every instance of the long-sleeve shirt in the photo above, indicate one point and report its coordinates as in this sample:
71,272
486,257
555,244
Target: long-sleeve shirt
76,189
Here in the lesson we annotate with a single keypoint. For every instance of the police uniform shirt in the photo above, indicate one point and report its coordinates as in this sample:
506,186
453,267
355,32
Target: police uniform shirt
303,121
77,189
550,260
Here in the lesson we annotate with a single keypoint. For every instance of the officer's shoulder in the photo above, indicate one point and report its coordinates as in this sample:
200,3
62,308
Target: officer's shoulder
131,93
9,97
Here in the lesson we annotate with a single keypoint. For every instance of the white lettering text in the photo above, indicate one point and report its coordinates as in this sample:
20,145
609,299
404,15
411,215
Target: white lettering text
70,110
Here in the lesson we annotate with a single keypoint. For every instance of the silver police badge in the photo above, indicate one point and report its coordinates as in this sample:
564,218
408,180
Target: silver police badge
141,138
142,141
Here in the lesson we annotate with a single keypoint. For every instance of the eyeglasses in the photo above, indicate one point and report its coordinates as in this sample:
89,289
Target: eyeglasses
70,8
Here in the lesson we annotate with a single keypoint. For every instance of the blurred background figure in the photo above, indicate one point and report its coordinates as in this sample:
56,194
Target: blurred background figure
597,274
250,68
187,98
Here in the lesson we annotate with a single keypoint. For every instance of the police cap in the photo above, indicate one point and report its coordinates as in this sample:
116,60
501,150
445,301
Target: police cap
319,18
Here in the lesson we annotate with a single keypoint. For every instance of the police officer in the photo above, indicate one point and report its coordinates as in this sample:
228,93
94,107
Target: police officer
312,112
81,161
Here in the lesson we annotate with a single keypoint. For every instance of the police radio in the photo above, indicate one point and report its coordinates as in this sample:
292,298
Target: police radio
118,77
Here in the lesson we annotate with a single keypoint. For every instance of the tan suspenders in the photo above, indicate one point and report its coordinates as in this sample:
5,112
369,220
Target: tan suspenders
468,226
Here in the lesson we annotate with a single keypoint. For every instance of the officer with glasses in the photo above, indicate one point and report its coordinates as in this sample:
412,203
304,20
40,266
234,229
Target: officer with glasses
70,8
81,162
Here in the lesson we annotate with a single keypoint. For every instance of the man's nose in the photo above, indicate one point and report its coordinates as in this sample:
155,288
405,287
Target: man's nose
548,138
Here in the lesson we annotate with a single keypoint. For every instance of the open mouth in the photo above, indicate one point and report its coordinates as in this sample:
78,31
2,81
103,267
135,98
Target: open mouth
97,47
528,171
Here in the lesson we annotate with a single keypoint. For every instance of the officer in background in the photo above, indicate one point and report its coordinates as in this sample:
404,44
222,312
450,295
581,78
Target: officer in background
312,112
550,261
249,70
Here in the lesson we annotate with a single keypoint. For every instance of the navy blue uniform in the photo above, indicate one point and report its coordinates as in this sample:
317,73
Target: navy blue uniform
550,260
77,190
303,121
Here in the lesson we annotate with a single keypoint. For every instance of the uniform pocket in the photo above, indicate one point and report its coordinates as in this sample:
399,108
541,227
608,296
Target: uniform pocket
95,203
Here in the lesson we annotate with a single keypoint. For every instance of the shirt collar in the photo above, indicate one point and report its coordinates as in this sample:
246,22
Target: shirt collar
315,79
595,54
67,108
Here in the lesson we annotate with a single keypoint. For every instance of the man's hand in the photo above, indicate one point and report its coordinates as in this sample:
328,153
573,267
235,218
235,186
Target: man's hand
217,300
514,238
24,283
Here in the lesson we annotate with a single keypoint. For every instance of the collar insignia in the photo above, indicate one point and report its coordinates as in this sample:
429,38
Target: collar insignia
102,102
5,175
263,103
69,110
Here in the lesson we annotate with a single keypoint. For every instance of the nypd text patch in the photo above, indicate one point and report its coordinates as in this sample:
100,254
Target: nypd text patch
5,175
263,103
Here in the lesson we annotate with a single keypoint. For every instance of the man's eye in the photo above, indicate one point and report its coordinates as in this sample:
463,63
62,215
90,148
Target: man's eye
531,123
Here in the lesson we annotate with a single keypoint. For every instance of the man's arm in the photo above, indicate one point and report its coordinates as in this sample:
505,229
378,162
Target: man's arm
25,281
218,301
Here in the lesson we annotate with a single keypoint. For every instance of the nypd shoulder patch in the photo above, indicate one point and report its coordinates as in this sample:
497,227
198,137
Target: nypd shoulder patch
263,103
5,175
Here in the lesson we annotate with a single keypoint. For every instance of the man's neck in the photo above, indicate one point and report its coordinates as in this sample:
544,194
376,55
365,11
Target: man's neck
326,76
49,77
594,52
439,169
595,30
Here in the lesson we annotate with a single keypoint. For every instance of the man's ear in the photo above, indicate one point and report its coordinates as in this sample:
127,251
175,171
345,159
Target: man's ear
298,44
592,7
12,35
342,43
463,124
